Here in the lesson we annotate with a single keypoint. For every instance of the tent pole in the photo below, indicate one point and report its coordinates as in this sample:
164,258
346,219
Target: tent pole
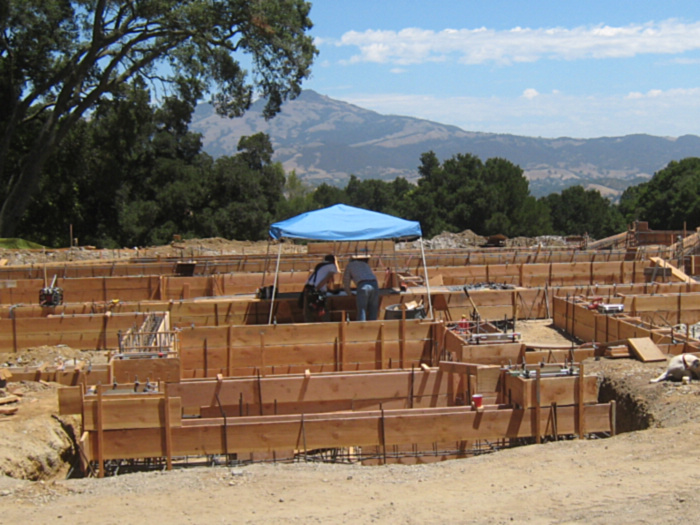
427,283
274,284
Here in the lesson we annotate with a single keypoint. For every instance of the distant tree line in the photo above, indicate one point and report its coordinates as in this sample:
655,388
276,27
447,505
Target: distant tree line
132,174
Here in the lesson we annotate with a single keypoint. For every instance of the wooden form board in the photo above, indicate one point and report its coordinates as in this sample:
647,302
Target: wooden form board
552,274
128,370
340,430
70,376
677,274
319,347
486,353
230,263
588,325
560,390
528,303
164,287
314,393
374,248
85,332
646,350
576,354
130,412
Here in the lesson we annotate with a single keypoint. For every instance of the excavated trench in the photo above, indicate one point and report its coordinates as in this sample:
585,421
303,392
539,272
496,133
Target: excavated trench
632,412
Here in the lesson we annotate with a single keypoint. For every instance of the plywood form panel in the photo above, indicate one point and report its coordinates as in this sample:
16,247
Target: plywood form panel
401,427
211,360
79,332
560,390
418,388
130,413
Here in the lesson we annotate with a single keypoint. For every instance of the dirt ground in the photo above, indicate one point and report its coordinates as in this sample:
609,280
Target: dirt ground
638,476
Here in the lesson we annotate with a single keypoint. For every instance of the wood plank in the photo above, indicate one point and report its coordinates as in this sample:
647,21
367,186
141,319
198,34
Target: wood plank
646,350
339,430
144,411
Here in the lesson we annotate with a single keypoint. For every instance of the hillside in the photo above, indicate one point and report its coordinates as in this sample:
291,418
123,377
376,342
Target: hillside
326,140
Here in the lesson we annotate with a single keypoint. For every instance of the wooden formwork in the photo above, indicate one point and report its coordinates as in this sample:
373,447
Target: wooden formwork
82,332
663,309
164,287
318,347
384,256
575,316
296,434
308,393
551,274
93,326
123,426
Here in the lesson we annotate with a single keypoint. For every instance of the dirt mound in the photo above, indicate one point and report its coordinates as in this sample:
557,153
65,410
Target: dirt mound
186,249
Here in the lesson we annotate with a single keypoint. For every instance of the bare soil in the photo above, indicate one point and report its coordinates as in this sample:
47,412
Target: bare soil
644,475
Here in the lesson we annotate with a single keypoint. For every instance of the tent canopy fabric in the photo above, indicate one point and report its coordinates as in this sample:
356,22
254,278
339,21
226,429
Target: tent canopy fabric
345,223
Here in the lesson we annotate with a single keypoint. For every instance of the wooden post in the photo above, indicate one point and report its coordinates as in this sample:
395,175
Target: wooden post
262,351
260,395
100,435
229,351
206,358
382,350
520,274
167,430
613,418
383,433
341,346
555,430
402,338
579,403
538,410
14,332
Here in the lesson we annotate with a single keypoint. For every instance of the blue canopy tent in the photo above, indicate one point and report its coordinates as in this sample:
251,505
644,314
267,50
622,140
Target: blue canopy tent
346,223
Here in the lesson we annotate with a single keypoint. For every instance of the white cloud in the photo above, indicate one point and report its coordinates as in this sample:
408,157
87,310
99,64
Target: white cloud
665,113
477,46
530,93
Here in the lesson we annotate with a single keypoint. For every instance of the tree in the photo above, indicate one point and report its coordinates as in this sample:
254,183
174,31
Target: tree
246,191
463,192
327,195
577,211
297,197
58,58
670,200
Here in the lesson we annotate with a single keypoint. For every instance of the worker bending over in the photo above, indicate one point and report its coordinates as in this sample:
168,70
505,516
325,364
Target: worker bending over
367,299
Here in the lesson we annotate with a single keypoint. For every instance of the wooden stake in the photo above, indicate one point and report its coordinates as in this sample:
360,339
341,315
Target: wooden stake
100,435
167,430
579,405
538,409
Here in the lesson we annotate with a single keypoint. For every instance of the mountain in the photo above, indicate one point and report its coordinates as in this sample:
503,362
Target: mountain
326,140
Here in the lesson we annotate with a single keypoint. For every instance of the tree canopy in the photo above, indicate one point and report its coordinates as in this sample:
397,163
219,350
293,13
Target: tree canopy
58,58
670,200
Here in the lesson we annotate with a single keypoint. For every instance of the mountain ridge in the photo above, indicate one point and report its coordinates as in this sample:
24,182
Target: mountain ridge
326,140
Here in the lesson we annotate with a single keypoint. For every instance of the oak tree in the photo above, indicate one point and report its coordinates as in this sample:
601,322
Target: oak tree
58,58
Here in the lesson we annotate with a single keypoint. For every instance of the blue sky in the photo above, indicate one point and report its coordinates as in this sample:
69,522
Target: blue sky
537,68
